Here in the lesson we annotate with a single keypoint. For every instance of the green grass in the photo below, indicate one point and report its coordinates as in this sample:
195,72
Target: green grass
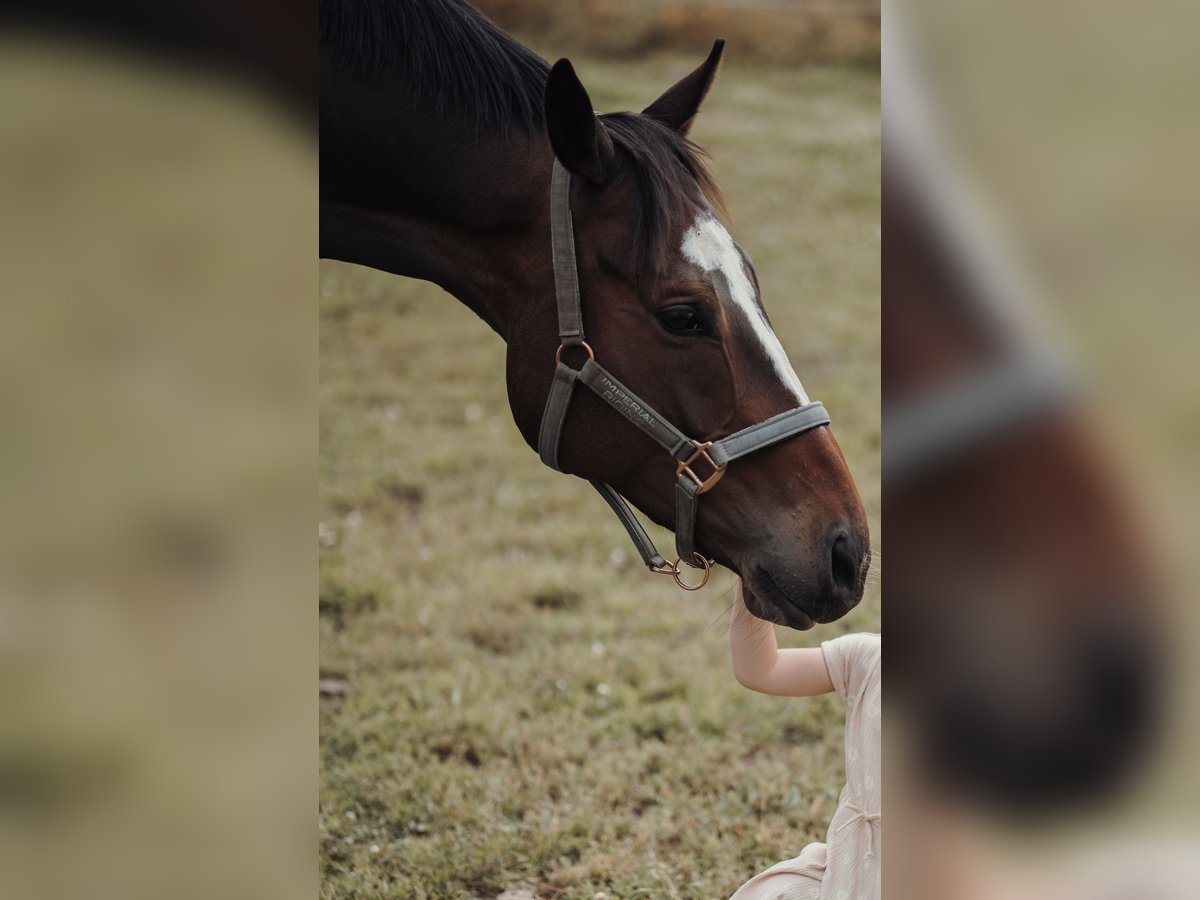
526,705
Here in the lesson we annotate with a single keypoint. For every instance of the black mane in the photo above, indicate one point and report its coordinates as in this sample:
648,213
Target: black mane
448,51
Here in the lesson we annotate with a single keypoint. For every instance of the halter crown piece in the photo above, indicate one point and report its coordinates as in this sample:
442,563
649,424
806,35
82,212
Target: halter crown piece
688,453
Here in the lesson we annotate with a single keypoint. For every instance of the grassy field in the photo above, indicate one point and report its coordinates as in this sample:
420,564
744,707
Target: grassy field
526,709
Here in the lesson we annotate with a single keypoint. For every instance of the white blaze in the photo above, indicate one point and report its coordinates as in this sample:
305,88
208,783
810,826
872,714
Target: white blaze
708,245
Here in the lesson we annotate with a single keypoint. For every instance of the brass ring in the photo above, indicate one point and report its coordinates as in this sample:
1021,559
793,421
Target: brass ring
704,561
584,344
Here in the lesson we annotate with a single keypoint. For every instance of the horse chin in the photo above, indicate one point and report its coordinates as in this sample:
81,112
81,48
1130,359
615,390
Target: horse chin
778,609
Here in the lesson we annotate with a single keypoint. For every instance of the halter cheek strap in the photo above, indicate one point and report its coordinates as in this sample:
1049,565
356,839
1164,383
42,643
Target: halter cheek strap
700,464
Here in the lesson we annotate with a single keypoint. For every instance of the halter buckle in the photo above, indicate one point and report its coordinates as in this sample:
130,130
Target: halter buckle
703,485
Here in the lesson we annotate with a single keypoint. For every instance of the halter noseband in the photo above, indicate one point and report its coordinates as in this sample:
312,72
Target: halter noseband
688,453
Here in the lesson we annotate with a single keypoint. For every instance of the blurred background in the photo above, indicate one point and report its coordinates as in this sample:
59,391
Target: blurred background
788,32
512,705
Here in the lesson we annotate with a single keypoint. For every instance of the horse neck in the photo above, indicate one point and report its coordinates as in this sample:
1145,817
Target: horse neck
425,195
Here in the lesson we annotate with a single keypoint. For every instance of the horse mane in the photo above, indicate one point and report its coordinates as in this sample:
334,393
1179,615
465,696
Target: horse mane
444,49
450,52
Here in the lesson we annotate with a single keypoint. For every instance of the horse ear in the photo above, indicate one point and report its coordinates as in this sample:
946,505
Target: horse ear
677,108
579,140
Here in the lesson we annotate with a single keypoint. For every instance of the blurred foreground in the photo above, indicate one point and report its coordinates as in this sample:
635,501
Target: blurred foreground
158,402
1041,491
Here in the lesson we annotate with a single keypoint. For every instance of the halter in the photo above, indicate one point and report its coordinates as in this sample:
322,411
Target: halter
958,418
711,457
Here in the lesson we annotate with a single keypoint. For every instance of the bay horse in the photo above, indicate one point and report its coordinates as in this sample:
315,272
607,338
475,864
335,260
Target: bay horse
439,134
1025,616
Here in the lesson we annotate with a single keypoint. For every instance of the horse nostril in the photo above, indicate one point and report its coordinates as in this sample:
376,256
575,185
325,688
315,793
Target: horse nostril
1121,675
845,565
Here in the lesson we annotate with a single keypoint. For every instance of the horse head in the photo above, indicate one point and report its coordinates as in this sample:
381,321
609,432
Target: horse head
672,307
1027,617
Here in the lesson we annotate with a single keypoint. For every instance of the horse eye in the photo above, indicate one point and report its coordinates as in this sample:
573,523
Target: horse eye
682,319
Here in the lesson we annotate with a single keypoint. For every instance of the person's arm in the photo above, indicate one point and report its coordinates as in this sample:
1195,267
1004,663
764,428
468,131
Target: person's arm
760,665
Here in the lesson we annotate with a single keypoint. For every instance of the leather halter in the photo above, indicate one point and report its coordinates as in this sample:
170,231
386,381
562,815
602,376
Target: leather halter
687,452
956,419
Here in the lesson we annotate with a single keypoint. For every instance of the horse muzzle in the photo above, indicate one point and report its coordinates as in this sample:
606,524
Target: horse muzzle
802,590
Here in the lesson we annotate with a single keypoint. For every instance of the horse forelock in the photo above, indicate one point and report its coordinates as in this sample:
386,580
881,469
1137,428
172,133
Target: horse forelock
671,175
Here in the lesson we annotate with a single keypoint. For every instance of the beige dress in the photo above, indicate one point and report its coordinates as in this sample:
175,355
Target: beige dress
846,866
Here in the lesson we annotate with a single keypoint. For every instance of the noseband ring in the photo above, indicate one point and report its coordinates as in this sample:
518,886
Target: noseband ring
675,571
688,453
584,344
704,561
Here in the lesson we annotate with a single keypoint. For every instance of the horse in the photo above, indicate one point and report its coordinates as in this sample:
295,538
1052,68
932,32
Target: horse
1025,610
440,135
